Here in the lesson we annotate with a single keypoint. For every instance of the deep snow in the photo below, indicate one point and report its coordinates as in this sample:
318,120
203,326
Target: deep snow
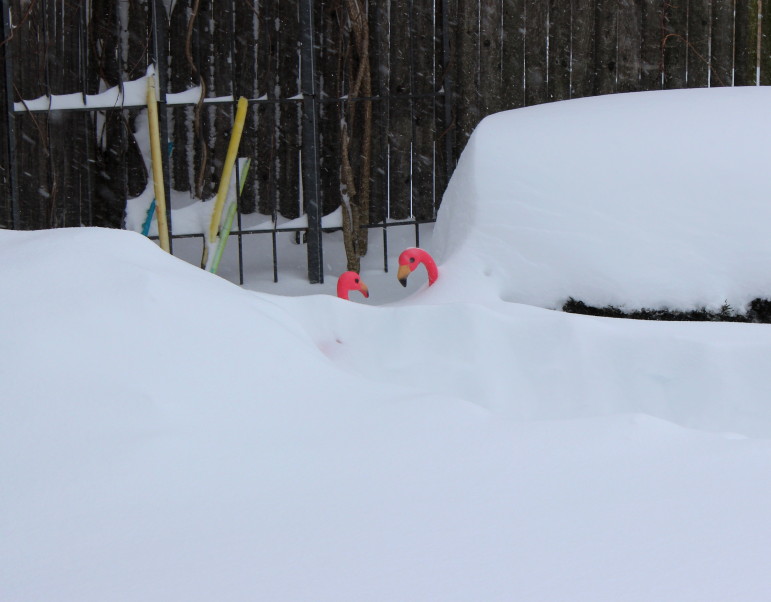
653,199
167,435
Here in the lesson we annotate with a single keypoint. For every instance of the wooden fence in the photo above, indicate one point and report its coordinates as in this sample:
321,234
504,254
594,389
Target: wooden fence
514,53
434,68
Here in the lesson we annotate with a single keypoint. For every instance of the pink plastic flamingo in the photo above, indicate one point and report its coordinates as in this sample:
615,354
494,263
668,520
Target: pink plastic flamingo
350,281
412,258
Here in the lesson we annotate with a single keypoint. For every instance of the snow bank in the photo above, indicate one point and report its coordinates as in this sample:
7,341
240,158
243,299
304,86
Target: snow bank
654,199
166,435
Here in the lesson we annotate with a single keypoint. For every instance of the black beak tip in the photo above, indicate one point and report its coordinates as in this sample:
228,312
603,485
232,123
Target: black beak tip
403,281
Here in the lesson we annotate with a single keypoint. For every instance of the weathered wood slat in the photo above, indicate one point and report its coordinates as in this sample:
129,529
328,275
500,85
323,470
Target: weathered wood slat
467,93
33,171
110,183
631,63
653,23
288,114
31,130
424,201
746,43
139,38
536,60
582,48
559,50
138,59
605,46
267,49
221,85
379,63
400,113
443,104
202,47
88,159
180,79
721,59
675,45
765,42
512,54
424,121
329,63
64,133
245,82
6,176
490,58
699,32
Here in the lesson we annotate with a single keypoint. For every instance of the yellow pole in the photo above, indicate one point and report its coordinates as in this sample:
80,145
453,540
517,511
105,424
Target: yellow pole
155,152
227,169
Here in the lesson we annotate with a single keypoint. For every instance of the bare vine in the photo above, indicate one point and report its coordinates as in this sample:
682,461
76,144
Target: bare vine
356,199
24,17
709,66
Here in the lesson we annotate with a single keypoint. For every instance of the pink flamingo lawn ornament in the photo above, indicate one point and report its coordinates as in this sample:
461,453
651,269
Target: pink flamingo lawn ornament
412,258
351,281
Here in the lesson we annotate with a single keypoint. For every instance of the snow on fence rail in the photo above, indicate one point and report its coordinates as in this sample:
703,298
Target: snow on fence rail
365,105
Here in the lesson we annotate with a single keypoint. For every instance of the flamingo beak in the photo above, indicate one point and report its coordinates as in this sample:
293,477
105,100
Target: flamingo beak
401,275
364,290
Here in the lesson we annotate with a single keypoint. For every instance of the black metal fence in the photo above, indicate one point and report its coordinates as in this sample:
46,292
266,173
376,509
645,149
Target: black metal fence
73,151
358,111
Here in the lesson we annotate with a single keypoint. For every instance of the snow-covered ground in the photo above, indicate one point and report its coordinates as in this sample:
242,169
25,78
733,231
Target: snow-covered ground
168,435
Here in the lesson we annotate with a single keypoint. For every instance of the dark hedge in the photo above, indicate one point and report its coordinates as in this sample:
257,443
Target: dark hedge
758,311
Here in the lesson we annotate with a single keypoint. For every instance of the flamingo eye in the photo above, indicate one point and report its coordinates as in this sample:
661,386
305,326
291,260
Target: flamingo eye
412,260
356,281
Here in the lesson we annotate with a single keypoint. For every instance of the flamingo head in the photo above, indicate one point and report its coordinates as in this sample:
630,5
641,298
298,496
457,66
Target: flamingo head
351,281
412,258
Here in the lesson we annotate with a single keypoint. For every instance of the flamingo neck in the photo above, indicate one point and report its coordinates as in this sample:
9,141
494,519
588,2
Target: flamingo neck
342,292
433,271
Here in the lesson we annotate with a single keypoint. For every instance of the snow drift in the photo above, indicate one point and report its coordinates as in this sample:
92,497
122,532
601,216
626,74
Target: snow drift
653,199
166,435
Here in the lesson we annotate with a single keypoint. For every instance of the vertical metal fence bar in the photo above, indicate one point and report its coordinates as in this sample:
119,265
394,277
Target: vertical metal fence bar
53,185
87,115
240,242
275,258
310,143
10,117
387,120
267,31
237,176
413,130
232,28
125,128
449,99
385,249
434,112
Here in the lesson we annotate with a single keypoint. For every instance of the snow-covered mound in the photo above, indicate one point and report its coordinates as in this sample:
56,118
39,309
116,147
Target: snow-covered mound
102,314
166,435
654,199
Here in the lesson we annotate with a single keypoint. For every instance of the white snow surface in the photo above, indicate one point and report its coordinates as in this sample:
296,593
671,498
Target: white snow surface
654,199
168,435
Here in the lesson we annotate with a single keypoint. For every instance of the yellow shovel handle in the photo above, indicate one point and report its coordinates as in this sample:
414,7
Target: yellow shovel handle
155,152
227,169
